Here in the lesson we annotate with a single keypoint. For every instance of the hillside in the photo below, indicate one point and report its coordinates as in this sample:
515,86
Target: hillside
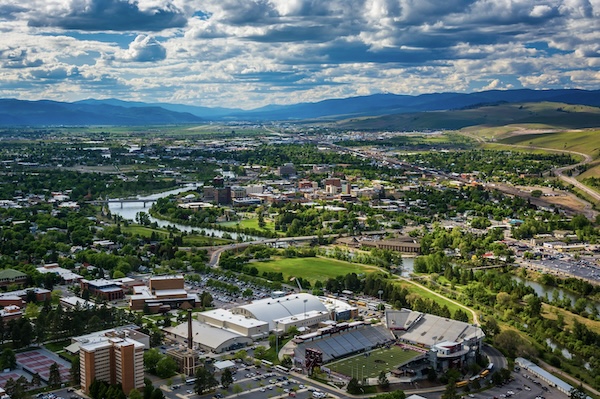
377,111
558,115
53,113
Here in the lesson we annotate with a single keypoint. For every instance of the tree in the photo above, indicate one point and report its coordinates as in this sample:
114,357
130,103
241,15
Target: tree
383,381
205,380
237,389
36,380
166,367
353,386
226,378
260,352
151,359
451,392
8,360
54,376
157,394
135,394
75,371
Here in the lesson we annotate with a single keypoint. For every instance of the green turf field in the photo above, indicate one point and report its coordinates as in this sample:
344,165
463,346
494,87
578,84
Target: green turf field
312,269
362,366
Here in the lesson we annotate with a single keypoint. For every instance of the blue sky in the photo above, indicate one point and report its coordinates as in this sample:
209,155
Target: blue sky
250,53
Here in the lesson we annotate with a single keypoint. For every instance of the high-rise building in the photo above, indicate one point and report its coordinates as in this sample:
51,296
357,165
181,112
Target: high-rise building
114,360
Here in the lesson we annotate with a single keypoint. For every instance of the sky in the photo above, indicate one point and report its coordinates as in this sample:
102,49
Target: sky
250,53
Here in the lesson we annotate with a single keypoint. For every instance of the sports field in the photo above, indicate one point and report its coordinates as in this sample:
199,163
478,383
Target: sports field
361,366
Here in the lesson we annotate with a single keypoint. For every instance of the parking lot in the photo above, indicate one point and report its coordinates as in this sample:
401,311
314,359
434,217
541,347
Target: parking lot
254,384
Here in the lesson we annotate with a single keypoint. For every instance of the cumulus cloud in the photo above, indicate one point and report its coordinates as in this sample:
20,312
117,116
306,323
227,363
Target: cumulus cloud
18,58
107,15
144,49
255,52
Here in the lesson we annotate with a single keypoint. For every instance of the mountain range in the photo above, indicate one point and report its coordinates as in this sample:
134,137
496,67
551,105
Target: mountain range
116,112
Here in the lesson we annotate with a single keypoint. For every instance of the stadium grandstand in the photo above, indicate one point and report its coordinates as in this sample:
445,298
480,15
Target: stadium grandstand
341,340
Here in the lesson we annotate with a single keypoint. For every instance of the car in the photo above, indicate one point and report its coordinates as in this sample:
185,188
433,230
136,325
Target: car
70,389
471,395
301,386
189,391
527,388
270,387
263,389
292,394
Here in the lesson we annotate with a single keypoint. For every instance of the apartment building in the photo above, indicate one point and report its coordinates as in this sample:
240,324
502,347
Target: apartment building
114,360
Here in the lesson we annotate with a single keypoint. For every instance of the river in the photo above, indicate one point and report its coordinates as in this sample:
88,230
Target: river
129,210
550,292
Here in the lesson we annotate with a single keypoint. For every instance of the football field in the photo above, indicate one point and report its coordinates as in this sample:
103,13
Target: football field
361,366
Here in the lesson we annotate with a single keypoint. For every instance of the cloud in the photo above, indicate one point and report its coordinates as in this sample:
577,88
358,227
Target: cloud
18,58
497,84
108,15
144,49
253,52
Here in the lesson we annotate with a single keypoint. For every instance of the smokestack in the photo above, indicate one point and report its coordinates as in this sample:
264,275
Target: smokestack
190,336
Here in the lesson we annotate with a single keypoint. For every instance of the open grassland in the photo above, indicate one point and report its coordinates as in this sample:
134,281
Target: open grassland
369,365
593,171
312,269
542,114
417,290
507,147
584,141
552,312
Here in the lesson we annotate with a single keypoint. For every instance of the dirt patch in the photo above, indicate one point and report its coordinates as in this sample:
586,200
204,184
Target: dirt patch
569,202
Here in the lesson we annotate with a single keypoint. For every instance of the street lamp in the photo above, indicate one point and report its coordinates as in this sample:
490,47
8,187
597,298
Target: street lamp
380,292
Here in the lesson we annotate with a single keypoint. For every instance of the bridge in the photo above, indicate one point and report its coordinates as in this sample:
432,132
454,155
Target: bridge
123,201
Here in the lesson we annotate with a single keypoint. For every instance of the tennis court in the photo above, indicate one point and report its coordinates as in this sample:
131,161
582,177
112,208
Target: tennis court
370,364
39,361
7,376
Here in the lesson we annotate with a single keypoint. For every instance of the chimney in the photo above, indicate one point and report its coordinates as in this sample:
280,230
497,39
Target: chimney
190,335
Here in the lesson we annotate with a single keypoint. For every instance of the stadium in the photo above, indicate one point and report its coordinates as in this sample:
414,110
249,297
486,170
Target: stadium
407,347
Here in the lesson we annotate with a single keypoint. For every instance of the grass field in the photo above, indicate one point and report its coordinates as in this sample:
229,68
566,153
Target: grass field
585,141
415,289
312,269
250,223
370,366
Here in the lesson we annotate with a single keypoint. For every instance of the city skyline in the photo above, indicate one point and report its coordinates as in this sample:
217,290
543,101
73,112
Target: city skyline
247,54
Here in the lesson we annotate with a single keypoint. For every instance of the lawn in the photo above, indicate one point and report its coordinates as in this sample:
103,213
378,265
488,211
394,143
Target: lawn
370,366
251,223
312,269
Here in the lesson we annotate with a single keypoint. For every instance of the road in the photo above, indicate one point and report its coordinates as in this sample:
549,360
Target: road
560,172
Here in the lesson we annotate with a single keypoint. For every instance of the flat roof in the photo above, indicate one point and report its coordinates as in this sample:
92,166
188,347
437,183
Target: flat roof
167,277
534,368
206,335
240,320
176,291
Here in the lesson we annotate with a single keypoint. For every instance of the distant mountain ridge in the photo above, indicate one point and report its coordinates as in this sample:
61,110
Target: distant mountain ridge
117,112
